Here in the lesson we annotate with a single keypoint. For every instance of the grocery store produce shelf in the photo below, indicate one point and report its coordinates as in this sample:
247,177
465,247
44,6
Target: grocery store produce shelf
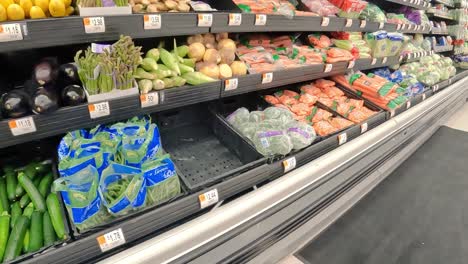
48,33
415,56
445,3
71,118
435,32
418,4
271,213
441,15
443,48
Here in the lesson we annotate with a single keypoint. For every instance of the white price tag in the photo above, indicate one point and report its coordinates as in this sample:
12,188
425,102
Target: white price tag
94,25
151,22
260,19
435,88
381,25
408,104
325,21
449,81
111,240
267,77
418,27
231,84
400,58
349,22
384,60
328,68
342,138
205,20
351,64
99,110
423,96
235,19
22,126
289,164
10,32
364,128
208,198
398,27
149,99
100,48
403,26
423,28
374,61
392,113
363,24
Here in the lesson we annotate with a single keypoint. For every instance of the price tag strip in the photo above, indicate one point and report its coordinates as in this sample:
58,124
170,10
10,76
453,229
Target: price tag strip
208,198
149,99
363,24
151,22
384,60
325,21
364,128
231,84
111,240
351,64
99,110
408,104
260,19
235,19
94,25
328,68
342,138
349,22
205,20
392,113
374,61
381,25
289,164
423,96
267,77
22,126
10,32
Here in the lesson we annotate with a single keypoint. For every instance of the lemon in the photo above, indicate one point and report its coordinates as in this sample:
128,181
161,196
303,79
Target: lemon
15,12
67,3
36,12
70,10
26,5
6,3
3,14
17,1
43,4
57,8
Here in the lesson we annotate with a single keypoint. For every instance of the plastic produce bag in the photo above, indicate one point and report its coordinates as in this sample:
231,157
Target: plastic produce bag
238,117
80,195
377,41
162,181
278,113
138,148
373,13
248,129
122,189
269,142
321,7
301,134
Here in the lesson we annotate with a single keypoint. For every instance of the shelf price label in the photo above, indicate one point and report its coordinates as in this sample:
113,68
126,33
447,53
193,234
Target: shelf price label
94,25
205,20
342,138
423,96
325,21
328,68
409,56
392,113
364,128
10,32
151,22
260,19
403,26
435,88
149,99
289,164
384,60
22,126
349,22
267,77
363,24
374,61
235,19
208,198
408,104
99,110
351,64
398,27
231,84
111,240
381,25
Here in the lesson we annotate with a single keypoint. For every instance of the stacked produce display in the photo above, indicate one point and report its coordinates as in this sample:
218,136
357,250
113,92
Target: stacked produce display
146,118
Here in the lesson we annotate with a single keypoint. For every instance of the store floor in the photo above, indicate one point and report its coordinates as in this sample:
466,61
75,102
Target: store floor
418,215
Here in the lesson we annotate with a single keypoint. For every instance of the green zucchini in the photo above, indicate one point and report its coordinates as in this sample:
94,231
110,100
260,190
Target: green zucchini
11,182
4,232
33,193
15,212
24,201
26,241
15,241
36,238
48,230
44,185
28,210
3,197
19,191
55,212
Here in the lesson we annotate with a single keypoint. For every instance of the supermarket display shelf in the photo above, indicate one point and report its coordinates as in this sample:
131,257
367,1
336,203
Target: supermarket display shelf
445,33
445,3
418,4
441,15
415,56
461,50
71,30
443,48
71,118
153,220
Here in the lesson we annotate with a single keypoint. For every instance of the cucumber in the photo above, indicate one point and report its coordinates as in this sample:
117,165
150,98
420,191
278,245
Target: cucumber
44,185
53,206
3,197
15,241
48,230
19,191
26,242
28,210
36,232
4,232
33,193
11,182
24,201
30,170
15,212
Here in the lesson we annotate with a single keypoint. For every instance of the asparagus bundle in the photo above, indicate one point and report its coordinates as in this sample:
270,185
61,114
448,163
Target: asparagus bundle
102,3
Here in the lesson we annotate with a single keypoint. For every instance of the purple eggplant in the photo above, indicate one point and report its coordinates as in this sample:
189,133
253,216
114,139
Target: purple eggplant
44,100
15,103
73,95
46,71
67,75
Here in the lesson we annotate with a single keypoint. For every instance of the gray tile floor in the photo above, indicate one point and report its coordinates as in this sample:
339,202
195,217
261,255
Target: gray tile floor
460,119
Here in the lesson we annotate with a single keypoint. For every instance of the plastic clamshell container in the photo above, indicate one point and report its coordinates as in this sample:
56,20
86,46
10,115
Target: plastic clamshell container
115,93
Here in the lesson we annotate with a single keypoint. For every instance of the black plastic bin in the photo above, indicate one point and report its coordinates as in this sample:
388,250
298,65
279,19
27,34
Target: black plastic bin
204,149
